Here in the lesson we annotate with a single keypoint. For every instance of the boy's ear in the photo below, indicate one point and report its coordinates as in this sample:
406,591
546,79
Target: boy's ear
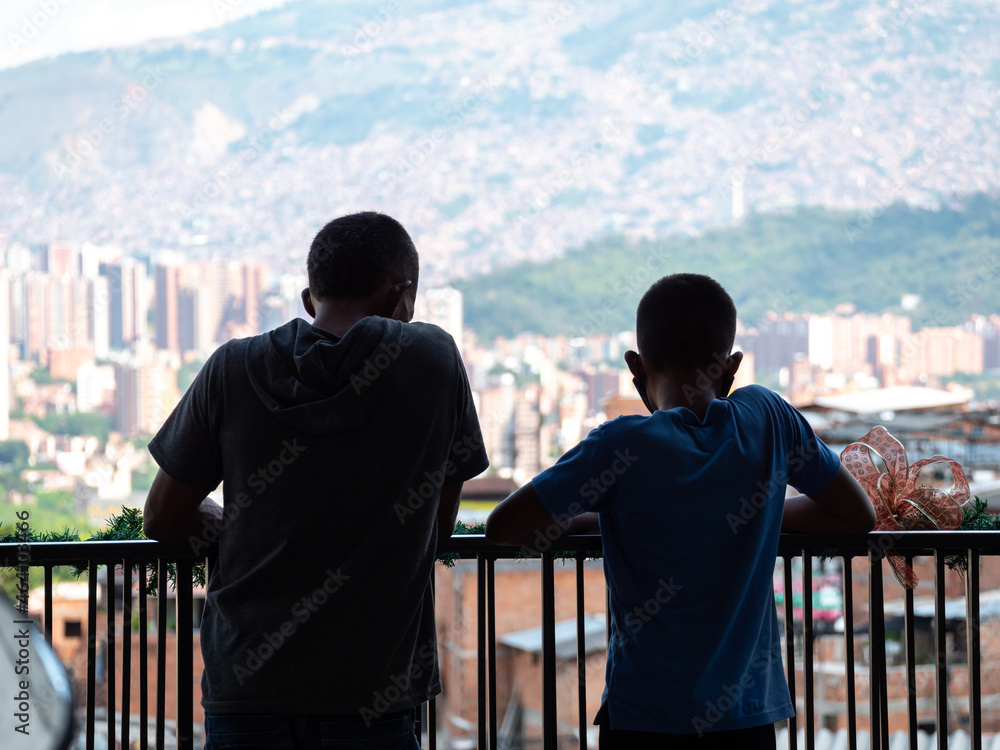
727,380
307,303
634,362
735,359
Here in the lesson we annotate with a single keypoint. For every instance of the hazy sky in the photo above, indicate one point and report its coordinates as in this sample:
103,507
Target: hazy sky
32,29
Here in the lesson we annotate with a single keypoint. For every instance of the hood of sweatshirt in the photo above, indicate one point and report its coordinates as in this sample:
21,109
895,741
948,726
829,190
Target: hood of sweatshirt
318,383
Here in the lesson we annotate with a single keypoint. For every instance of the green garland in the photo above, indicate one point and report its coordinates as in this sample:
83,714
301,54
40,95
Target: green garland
128,527
975,517
120,528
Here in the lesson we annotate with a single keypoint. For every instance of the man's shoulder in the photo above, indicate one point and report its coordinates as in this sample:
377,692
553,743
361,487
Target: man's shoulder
430,343
428,332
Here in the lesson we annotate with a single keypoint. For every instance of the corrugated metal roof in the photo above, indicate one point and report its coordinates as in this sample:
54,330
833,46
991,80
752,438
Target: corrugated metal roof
594,631
900,398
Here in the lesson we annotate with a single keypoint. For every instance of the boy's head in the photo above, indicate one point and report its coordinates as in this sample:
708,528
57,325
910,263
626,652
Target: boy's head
354,255
685,321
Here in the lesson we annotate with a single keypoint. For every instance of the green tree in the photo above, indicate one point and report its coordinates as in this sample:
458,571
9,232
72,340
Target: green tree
98,425
14,453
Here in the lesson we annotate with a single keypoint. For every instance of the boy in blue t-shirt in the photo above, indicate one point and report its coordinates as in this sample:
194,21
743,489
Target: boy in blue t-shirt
690,502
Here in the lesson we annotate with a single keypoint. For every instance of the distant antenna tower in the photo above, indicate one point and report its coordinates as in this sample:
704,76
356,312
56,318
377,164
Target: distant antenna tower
739,204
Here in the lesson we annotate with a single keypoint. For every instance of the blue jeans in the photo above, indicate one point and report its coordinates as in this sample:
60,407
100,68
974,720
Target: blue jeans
306,732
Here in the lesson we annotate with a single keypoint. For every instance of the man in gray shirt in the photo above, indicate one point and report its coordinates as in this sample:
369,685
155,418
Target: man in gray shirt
342,447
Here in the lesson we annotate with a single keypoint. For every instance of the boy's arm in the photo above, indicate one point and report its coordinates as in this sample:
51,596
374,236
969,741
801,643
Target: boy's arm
522,517
842,508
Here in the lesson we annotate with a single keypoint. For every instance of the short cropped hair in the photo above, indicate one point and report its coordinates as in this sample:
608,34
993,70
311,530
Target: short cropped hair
686,321
351,256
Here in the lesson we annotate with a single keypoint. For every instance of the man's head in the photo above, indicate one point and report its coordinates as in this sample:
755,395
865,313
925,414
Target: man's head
354,255
685,322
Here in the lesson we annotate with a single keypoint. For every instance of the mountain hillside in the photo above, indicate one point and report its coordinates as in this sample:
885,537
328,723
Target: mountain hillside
501,130
806,261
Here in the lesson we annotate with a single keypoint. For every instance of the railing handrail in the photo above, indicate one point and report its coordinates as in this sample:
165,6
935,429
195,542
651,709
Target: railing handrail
471,545
75,553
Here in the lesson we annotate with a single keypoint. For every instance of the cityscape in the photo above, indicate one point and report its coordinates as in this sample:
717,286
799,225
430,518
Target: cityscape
91,332
158,193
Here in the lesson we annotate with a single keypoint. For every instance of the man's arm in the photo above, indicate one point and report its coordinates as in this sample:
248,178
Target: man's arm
842,508
177,513
451,497
522,516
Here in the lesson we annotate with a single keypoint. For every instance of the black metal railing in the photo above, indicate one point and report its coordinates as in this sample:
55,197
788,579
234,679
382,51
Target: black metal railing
141,557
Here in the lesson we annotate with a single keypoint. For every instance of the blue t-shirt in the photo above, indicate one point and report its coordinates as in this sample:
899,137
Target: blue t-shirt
690,513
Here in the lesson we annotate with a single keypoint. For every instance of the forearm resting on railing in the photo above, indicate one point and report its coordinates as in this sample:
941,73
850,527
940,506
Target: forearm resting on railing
842,508
179,514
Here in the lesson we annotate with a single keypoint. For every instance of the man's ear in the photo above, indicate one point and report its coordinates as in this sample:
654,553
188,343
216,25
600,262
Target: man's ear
307,303
399,302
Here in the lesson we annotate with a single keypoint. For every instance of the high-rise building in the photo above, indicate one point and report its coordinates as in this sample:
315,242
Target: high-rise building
95,386
252,276
941,352
36,314
200,305
145,394
100,321
989,329
129,304
17,260
166,313
62,259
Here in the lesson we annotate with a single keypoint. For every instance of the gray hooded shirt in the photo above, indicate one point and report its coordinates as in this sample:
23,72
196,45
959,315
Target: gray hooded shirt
332,453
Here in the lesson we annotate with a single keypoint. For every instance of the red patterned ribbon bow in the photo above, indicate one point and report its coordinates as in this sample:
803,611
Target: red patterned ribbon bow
901,501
